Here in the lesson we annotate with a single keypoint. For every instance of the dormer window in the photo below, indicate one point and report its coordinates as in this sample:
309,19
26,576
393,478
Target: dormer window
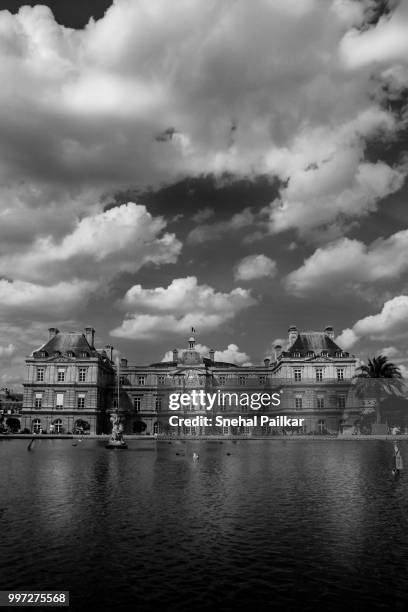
310,353
296,354
325,353
84,354
57,353
339,353
70,353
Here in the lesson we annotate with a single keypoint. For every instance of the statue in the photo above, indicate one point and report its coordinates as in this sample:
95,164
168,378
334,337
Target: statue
116,440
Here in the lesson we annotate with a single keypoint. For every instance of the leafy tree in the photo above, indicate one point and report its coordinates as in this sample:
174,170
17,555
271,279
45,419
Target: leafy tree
378,379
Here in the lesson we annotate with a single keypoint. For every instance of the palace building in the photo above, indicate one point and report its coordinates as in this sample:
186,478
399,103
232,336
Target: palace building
71,386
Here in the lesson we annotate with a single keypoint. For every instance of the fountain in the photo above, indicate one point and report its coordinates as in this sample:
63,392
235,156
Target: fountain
116,440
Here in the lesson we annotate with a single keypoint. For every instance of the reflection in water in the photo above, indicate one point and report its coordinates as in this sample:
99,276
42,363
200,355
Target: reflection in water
250,524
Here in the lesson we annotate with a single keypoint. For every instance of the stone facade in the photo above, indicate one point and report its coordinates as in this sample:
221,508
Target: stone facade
68,380
66,386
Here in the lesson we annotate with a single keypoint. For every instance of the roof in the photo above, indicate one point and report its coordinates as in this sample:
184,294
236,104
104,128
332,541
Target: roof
67,341
205,361
315,342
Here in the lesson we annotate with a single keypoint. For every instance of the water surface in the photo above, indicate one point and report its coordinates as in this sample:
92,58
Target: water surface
297,525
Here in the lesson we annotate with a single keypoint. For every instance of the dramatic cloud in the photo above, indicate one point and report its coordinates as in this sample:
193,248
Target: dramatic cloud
347,263
255,266
20,298
122,239
192,87
231,354
175,309
389,324
384,44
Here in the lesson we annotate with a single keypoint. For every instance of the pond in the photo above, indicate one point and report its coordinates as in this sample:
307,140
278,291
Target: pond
252,524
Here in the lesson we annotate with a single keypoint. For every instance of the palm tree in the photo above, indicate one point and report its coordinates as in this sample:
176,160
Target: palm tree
379,377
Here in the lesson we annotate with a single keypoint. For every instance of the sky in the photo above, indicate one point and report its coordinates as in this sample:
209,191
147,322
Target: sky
230,166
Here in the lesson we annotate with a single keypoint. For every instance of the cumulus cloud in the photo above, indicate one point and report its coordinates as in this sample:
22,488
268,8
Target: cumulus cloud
389,324
385,43
231,354
177,308
347,263
389,351
328,180
102,245
98,111
255,266
24,298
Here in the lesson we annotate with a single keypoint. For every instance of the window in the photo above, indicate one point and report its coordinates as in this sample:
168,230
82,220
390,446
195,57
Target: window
340,373
137,403
320,402
298,402
84,354
59,400
158,403
262,380
242,380
321,426
341,401
296,354
297,374
58,425
222,380
324,353
319,374
61,374
310,353
122,380
40,374
37,425
81,401
38,400
82,374
141,380
161,380
115,404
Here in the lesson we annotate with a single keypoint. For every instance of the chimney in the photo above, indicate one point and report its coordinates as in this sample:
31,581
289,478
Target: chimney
90,336
175,355
123,362
52,331
329,331
109,351
212,353
293,334
267,362
278,351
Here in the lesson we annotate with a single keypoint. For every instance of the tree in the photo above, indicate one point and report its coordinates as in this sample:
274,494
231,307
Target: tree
378,379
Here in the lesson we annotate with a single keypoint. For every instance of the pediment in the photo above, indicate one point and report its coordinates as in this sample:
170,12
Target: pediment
60,359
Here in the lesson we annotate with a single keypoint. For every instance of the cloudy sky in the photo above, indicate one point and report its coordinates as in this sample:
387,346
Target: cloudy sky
229,165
